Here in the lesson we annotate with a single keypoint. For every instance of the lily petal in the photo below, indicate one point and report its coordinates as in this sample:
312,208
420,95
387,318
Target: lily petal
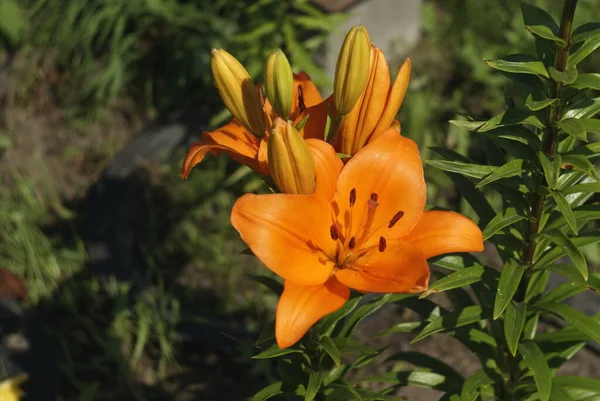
391,168
328,166
400,268
317,119
302,306
290,234
310,93
395,97
441,232
231,138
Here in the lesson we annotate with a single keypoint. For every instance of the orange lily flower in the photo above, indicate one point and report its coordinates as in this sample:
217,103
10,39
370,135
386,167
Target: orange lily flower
245,148
364,228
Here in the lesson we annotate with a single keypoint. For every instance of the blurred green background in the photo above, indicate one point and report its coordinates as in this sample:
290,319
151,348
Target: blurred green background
80,78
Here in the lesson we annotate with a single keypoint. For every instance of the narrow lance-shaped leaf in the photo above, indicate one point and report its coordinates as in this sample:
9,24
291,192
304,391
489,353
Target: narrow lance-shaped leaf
535,105
470,388
560,239
330,348
451,320
507,286
501,221
458,279
550,171
540,23
519,64
573,127
535,360
565,209
467,169
510,169
314,384
582,322
591,81
584,50
584,109
514,321
511,117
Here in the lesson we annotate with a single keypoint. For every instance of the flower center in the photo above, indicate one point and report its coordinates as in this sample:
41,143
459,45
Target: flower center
352,244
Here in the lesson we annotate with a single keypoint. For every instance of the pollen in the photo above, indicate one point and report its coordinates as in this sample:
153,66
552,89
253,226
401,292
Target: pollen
352,243
334,234
352,197
382,244
374,197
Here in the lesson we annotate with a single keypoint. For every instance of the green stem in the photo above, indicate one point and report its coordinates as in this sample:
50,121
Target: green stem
549,147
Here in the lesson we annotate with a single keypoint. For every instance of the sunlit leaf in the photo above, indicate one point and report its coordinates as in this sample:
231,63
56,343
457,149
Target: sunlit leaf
584,50
536,105
591,81
570,248
574,127
458,279
584,109
512,272
535,360
470,388
467,169
425,361
514,322
565,209
519,64
575,318
451,320
564,77
510,169
330,348
511,117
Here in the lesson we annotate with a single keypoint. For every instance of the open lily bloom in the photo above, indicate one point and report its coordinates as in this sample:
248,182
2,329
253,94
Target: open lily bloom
235,140
363,228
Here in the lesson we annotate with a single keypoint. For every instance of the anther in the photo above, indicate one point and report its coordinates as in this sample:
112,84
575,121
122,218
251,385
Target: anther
395,219
261,96
352,243
334,233
352,197
374,197
301,104
382,244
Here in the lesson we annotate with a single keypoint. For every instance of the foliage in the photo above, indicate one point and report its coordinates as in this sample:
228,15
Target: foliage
542,149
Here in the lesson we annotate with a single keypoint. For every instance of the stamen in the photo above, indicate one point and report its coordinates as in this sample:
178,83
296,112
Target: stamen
334,233
395,219
382,244
261,96
352,197
374,197
301,104
352,243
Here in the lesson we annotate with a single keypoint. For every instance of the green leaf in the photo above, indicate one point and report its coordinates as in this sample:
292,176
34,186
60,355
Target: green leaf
511,117
555,253
403,327
461,278
314,384
537,284
519,64
451,320
591,81
507,287
564,77
467,169
584,50
570,248
581,163
585,31
591,124
536,362
268,282
585,109
579,382
501,221
562,292
536,17
348,346
468,125
346,388
551,169
267,334
275,351
328,323
558,393
565,209
12,21
535,105
474,197
455,262
566,270
416,378
470,388
510,169
583,188
363,311
270,391
329,347
575,318
514,322
425,361
574,127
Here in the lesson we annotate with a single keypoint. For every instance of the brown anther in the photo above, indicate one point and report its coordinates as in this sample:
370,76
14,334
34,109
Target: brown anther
352,243
382,244
334,233
261,96
301,104
374,197
352,197
395,219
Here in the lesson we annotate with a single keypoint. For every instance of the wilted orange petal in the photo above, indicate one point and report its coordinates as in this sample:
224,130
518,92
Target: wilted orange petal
302,306
310,93
391,168
232,138
290,234
441,232
400,268
396,96
328,166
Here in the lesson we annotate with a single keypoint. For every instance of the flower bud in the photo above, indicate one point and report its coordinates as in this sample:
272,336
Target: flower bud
279,82
10,389
238,91
290,160
352,69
